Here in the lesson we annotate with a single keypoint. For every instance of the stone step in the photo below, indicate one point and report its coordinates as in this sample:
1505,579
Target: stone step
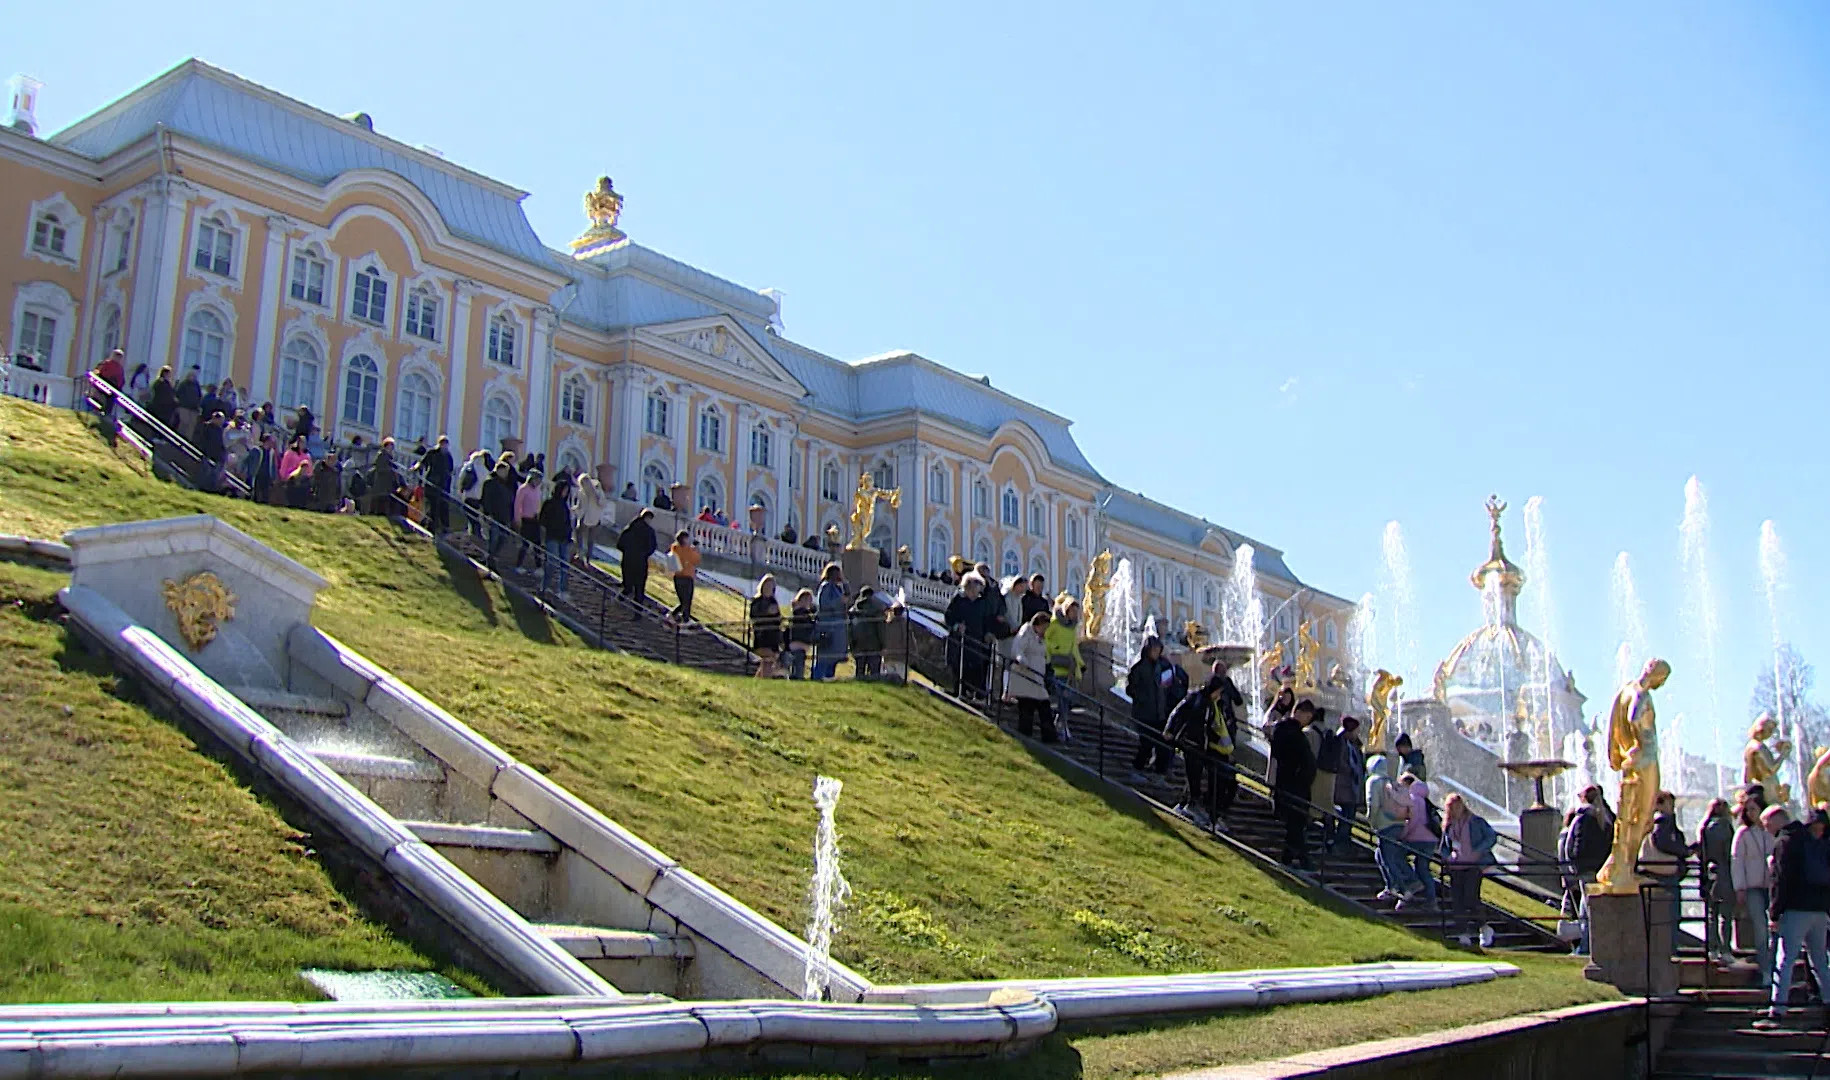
598,943
1744,1060
485,837
377,766
263,700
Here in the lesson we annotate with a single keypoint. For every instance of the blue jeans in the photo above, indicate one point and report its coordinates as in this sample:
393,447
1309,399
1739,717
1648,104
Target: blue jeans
1392,864
498,538
1799,930
1417,861
826,666
1757,901
558,555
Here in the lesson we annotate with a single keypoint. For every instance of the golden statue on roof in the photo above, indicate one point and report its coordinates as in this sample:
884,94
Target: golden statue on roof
603,206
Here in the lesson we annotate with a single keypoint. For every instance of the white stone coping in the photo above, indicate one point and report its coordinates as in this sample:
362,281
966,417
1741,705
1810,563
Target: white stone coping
131,540
491,925
1150,995
484,837
32,548
233,1040
753,939
593,943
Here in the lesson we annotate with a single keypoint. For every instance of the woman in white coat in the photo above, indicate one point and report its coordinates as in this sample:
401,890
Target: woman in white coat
1023,679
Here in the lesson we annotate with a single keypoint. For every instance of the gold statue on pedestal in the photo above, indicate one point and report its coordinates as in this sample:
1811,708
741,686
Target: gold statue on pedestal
1195,635
1760,765
1379,700
1307,651
1632,752
1817,783
1093,599
864,509
603,206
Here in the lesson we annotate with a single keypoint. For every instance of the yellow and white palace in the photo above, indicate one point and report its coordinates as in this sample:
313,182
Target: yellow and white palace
205,220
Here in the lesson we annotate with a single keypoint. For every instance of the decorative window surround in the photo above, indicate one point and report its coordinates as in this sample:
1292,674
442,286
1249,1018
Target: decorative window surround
39,227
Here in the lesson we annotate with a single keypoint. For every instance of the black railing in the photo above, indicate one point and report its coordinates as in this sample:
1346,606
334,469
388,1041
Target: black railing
168,450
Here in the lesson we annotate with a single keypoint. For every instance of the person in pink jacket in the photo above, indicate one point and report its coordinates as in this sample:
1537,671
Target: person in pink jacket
1418,837
527,518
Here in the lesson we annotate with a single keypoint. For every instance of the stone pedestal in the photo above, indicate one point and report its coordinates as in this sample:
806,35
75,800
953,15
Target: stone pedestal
859,566
1538,828
1097,656
1620,942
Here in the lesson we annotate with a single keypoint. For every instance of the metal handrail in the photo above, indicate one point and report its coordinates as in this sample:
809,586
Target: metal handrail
159,432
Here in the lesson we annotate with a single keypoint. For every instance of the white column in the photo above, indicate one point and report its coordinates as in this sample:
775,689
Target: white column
628,464
685,429
273,289
540,381
156,277
458,364
918,544
784,453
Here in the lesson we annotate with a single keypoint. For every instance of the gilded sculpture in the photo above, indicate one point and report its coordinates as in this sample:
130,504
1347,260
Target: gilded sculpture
1632,752
201,603
1308,649
603,206
1379,701
1817,782
864,509
1760,765
1093,598
1195,635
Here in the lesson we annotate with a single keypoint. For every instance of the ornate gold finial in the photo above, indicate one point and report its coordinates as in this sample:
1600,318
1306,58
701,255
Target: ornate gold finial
201,603
603,206
1494,509
864,509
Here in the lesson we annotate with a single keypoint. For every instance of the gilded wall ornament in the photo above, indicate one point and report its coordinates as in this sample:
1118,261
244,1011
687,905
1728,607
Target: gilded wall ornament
201,603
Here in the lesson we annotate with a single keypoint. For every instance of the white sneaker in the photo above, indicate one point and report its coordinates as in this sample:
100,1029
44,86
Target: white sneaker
1486,938
1386,894
1465,941
1179,810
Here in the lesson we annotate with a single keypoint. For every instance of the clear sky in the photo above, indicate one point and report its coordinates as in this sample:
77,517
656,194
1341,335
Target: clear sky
1301,270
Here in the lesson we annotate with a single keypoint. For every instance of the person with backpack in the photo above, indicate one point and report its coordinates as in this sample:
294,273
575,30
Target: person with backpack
1751,871
1715,846
1207,750
470,488
1421,834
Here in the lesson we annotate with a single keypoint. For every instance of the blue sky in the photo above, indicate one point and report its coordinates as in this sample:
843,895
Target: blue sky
1301,270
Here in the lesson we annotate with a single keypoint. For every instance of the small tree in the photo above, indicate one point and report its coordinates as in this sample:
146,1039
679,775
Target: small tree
1791,702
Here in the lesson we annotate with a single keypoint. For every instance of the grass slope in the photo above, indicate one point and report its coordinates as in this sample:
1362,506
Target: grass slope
131,866
970,856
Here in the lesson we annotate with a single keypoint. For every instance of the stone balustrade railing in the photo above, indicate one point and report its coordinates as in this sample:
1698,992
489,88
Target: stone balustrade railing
58,391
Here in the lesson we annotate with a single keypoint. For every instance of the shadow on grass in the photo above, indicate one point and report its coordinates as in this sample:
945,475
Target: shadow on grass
530,617
468,582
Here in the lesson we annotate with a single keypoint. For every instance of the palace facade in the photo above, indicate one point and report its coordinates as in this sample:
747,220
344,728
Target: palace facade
205,221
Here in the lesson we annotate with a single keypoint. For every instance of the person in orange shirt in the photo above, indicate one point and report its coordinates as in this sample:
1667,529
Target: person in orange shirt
686,574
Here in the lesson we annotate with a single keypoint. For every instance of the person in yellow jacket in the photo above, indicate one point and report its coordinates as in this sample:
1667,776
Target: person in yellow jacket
1061,643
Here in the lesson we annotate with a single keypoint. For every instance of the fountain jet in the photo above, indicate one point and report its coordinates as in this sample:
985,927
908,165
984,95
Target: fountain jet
828,893
1773,585
1698,613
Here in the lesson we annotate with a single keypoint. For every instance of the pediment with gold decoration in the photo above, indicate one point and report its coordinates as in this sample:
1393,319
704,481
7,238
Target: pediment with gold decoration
719,342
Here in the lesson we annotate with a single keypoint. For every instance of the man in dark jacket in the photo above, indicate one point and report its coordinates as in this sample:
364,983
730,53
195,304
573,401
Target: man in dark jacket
436,466
1035,600
1665,858
968,628
384,482
867,632
499,508
637,544
1800,908
556,531
1295,764
1144,685
190,404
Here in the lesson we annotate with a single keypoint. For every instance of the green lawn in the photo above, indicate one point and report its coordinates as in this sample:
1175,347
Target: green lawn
970,856
132,867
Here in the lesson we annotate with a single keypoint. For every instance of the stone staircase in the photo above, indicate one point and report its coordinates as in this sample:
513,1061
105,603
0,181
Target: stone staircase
1348,872
593,605
1714,1036
520,863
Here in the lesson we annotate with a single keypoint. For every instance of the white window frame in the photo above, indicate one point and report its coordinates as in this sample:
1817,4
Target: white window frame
37,335
72,223
657,415
220,226
762,447
108,331
298,278
796,461
654,479
1011,564
1038,517
404,395
884,475
1181,587
502,338
416,321
711,421
368,379
1010,508
45,299
575,400
376,272
716,502
121,236
937,484
761,498
194,343
981,551
981,499
486,421
51,236
1038,564
1151,579
832,482
289,355
940,543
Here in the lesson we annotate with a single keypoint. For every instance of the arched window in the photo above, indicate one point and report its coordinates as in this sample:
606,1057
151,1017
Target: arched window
1207,596
759,498
656,421
981,499
710,493
654,481
111,331
205,345
711,430
940,544
795,461
572,462
762,447
574,400
981,551
1012,565
37,336
498,421
422,314
215,246
829,482
368,298
310,271
1075,575
1012,509
301,374
1330,634
502,341
1072,530
1038,564
1181,587
361,389
884,475
937,484
1150,581
1038,518
413,409
50,236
